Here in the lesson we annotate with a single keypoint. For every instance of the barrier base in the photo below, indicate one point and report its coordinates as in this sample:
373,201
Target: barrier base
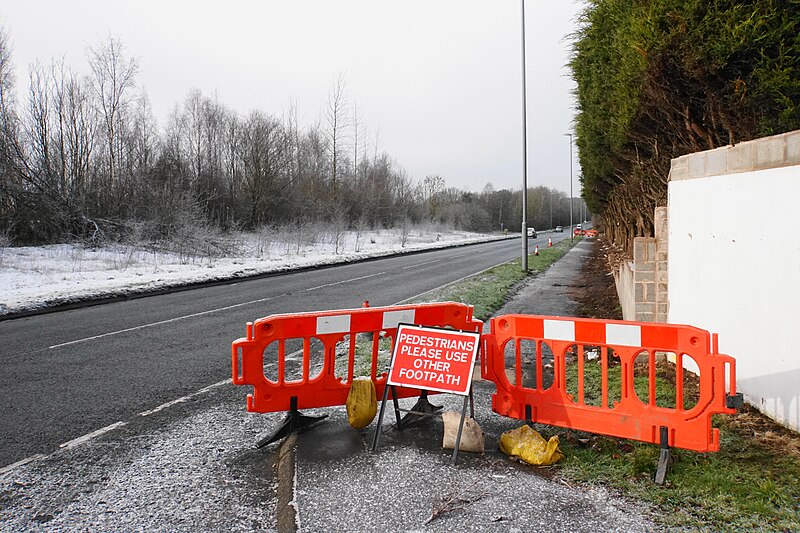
421,410
294,421
664,458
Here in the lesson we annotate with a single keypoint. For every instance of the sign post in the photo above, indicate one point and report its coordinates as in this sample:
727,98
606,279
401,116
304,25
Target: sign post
431,359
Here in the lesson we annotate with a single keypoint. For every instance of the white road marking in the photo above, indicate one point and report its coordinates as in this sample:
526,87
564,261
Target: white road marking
461,255
160,322
94,434
344,281
422,264
186,398
215,385
8,468
165,405
89,436
201,313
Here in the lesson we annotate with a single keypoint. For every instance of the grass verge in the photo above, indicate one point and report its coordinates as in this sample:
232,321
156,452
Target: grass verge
752,483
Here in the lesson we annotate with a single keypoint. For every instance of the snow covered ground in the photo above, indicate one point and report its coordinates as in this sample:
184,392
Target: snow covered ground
36,277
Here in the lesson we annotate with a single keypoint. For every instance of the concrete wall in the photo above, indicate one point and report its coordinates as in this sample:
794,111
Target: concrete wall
734,262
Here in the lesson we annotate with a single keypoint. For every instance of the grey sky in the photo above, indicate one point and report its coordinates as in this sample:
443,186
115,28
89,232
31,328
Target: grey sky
439,81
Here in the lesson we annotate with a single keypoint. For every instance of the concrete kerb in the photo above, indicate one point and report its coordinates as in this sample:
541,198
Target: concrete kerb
287,507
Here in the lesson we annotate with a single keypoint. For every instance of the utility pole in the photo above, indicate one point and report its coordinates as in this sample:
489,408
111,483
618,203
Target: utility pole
524,151
571,230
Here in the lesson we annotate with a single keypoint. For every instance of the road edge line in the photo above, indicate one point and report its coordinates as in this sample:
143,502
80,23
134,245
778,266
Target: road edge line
22,462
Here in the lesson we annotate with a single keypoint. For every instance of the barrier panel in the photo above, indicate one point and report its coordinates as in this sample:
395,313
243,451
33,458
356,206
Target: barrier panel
610,377
306,360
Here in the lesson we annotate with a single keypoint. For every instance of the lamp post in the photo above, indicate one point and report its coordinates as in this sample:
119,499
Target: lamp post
571,230
524,151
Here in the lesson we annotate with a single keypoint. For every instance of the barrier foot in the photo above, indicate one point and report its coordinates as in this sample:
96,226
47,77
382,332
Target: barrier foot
734,401
664,458
421,410
294,421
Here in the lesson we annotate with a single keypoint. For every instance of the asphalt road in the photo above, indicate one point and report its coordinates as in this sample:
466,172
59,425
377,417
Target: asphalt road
68,374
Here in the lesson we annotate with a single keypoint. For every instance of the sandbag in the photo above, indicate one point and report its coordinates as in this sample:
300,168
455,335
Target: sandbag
362,402
527,445
471,436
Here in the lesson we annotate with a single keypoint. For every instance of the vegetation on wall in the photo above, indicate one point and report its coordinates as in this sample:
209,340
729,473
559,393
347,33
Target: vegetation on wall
662,78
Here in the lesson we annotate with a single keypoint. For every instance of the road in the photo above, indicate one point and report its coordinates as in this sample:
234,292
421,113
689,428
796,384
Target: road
68,374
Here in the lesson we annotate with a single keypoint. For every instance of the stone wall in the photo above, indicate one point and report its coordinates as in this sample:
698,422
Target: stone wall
642,283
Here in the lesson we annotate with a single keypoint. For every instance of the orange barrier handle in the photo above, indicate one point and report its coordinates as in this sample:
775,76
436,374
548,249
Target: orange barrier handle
237,373
731,374
237,379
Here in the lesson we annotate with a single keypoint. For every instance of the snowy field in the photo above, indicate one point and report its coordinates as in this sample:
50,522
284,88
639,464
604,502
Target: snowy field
36,277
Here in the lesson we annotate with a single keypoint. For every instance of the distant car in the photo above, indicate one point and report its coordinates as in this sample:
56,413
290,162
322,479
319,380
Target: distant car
531,233
591,233
560,229
578,226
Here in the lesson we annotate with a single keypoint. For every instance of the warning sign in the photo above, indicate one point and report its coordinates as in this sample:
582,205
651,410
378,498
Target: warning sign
433,358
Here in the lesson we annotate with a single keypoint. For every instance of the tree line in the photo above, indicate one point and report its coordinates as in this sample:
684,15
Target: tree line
83,157
657,80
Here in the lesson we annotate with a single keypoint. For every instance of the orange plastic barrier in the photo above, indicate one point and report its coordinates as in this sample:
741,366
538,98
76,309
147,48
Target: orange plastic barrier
609,377
321,349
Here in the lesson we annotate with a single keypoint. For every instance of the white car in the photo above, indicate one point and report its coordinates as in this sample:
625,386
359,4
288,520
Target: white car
531,233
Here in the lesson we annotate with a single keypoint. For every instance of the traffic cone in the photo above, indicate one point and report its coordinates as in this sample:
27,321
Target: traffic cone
536,250
549,241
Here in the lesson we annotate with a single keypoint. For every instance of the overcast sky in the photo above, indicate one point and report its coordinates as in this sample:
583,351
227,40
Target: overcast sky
438,81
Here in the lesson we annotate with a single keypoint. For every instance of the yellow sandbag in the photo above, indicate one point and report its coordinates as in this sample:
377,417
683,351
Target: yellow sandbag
526,444
362,402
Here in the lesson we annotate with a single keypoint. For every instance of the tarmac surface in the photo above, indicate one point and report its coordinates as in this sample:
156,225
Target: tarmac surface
410,484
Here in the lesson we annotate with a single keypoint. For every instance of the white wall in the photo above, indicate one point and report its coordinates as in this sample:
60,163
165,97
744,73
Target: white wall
734,269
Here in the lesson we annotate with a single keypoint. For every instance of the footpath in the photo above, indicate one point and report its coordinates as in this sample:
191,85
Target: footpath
329,480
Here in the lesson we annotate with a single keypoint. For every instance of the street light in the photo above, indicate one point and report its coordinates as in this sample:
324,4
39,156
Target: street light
524,152
571,230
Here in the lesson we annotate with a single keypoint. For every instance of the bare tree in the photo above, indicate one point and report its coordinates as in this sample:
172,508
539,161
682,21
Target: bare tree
336,118
75,124
8,135
37,130
264,161
193,118
431,189
114,78
356,124
144,136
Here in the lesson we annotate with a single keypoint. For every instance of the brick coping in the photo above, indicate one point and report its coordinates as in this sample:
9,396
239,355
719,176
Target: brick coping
759,154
